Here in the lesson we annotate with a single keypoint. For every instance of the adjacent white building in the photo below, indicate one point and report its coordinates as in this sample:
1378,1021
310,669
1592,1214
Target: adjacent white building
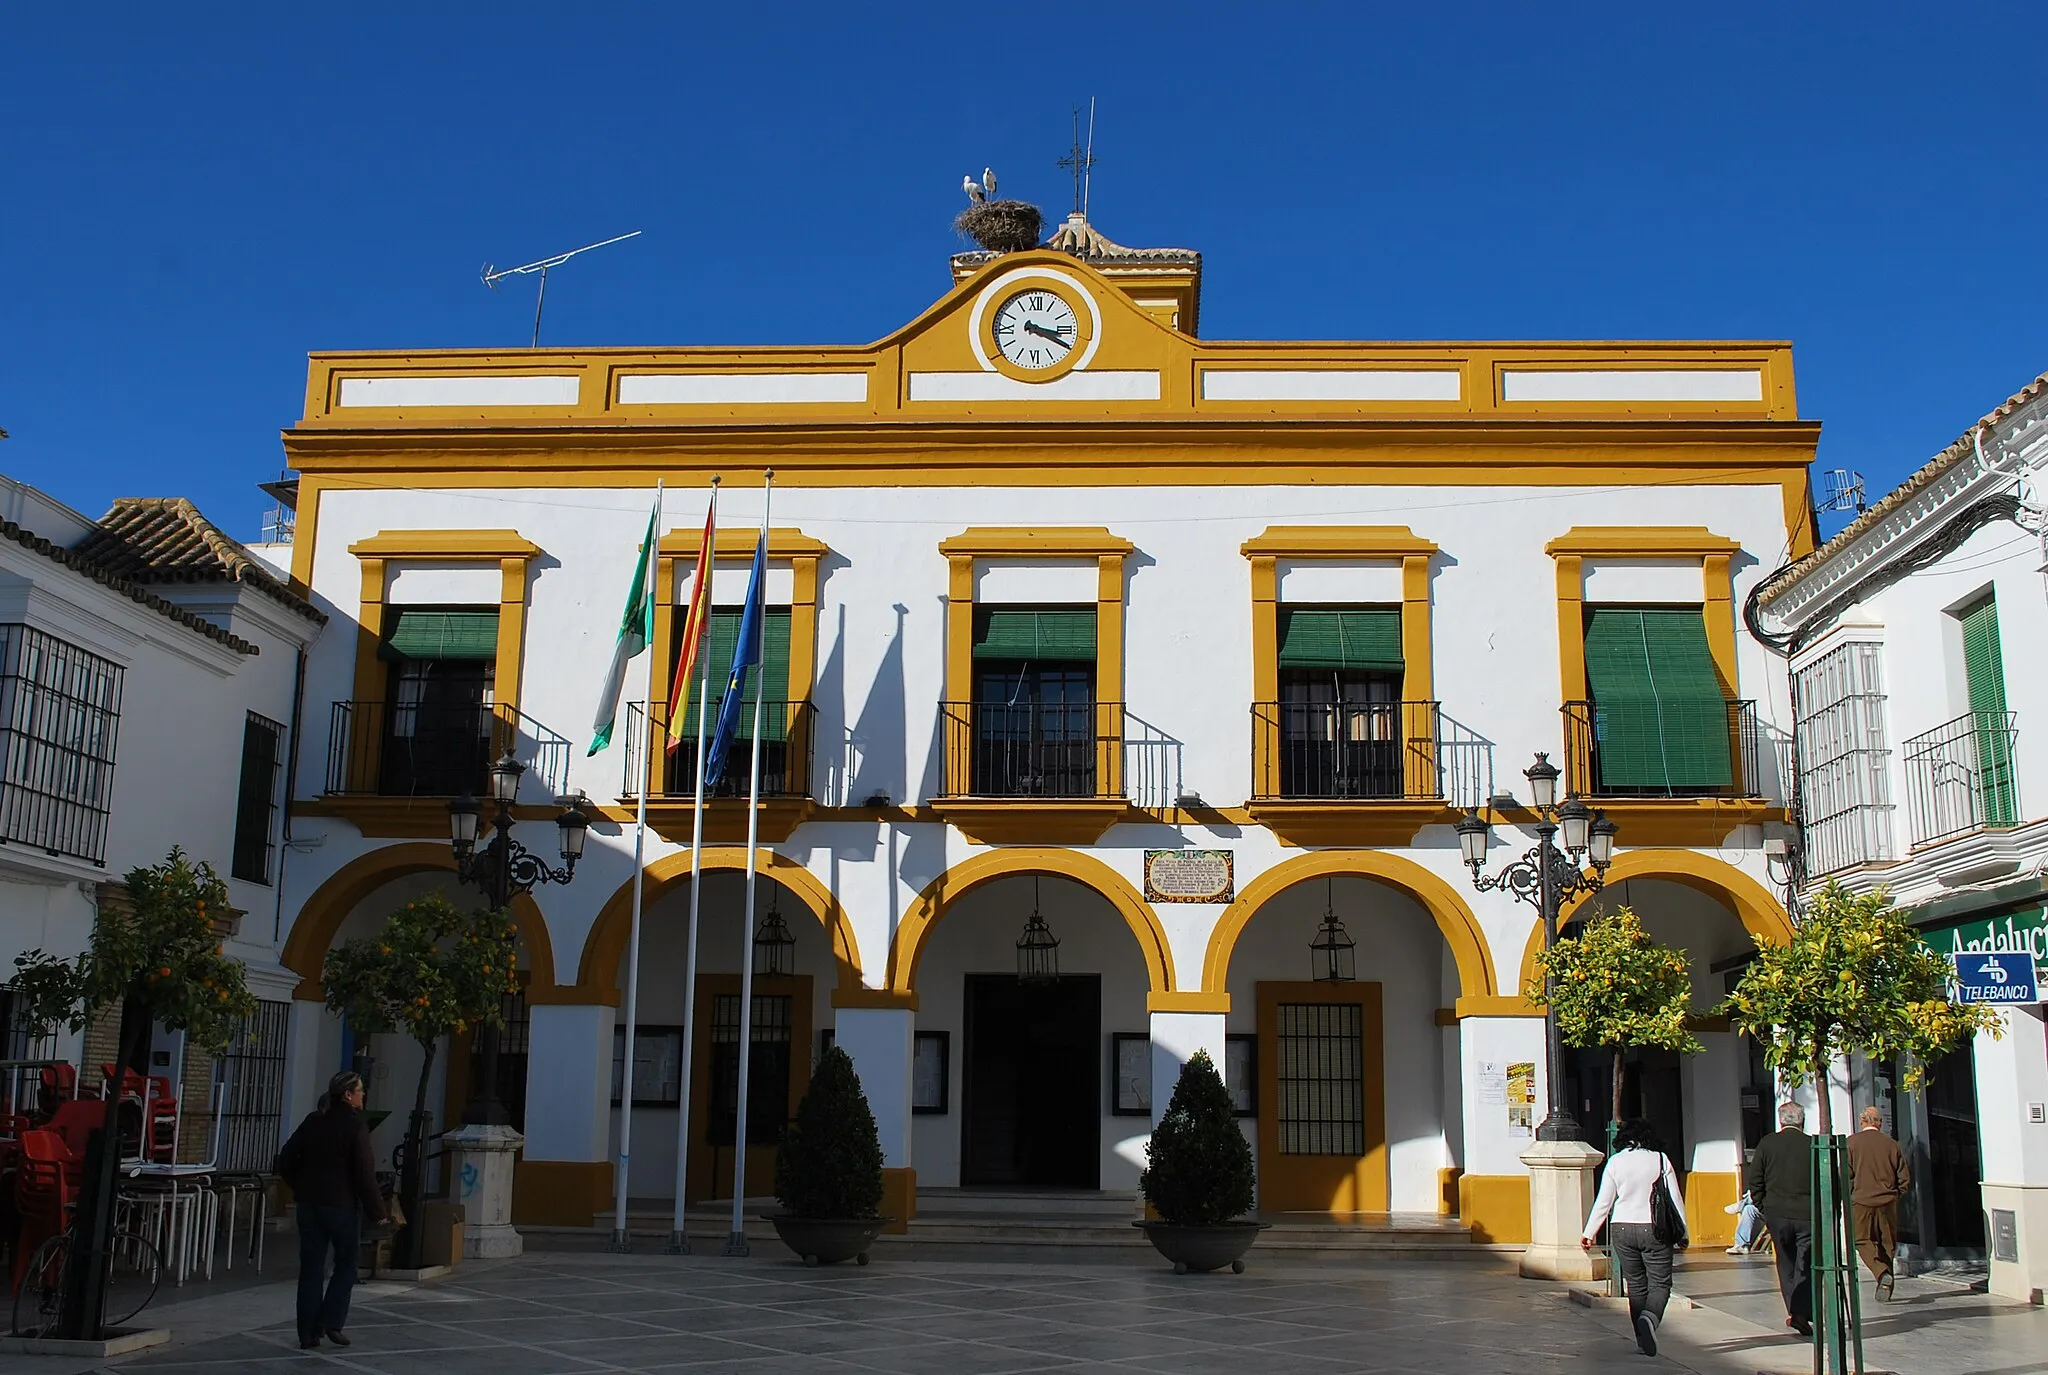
149,667
1912,637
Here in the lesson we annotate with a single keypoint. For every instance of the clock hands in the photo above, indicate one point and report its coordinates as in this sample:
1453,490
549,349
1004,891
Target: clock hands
1033,327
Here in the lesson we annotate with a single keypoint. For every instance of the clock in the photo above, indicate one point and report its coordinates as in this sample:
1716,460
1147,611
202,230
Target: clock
1037,330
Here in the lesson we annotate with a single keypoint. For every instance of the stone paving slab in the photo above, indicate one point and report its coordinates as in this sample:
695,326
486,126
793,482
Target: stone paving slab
557,1313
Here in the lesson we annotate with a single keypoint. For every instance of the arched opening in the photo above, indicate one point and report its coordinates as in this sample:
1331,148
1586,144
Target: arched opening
1353,1082
1027,1082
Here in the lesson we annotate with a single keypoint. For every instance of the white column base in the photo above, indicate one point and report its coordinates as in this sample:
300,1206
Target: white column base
1561,1189
2025,1277
480,1169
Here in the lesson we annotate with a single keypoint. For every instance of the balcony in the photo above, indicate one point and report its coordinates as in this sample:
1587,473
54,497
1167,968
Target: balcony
787,732
60,710
1051,772
1669,772
391,766
1960,777
1347,773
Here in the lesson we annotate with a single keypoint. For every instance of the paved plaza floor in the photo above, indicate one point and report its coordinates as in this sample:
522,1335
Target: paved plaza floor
594,1312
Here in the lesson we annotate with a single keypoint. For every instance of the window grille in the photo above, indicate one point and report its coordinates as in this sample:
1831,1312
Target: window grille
60,707
1322,1079
18,1040
250,1080
256,803
1844,765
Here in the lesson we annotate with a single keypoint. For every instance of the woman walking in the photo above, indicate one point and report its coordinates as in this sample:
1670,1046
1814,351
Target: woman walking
1635,1172
333,1176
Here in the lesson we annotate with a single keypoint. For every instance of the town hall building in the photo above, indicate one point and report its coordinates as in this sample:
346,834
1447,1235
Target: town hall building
1189,653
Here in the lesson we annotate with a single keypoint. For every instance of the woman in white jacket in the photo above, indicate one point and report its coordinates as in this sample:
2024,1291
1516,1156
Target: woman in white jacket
1635,1171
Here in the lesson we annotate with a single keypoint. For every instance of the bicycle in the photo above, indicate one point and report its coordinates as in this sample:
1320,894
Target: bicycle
134,1268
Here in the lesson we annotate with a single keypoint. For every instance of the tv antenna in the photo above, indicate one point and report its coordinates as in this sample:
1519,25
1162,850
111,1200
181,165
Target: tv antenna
1081,161
1841,489
492,276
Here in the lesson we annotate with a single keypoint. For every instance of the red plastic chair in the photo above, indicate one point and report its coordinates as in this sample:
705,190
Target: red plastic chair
45,1191
75,1121
59,1084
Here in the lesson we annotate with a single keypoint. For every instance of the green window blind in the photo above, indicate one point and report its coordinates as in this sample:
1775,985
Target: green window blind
719,639
421,634
1984,671
1660,720
1065,633
1362,637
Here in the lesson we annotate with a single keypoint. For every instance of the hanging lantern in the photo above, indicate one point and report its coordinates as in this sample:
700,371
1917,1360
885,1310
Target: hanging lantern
774,946
1333,955
1038,949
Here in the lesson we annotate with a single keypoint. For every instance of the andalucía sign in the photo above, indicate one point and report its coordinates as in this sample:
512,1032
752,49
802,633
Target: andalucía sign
1996,977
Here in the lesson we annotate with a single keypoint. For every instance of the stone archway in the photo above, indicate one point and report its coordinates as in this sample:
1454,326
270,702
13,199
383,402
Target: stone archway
914,931
1461,930
331,904
597,979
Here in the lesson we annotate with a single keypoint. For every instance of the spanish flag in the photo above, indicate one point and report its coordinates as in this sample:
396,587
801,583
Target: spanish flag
696,623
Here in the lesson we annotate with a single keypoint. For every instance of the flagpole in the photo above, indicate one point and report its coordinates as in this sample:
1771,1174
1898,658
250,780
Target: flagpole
620,1242
736,1244
679,1241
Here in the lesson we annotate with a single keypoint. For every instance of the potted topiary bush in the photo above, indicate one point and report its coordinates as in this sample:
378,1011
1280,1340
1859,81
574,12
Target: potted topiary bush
828,1170
1199,1176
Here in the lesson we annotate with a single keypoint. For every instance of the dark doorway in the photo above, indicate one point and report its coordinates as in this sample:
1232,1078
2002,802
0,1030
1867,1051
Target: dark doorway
1651,1088
1952,1170
1030,1112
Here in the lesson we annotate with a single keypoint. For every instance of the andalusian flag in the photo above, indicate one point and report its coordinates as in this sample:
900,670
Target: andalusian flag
636,630
696,622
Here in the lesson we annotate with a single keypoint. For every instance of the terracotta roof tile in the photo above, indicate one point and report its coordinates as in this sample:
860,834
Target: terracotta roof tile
165,539
113,581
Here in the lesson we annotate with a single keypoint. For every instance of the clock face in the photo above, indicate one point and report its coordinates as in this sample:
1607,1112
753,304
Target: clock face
1036,329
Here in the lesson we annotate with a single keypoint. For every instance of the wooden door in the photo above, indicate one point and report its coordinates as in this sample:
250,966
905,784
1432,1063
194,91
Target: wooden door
1322,1099
782,1050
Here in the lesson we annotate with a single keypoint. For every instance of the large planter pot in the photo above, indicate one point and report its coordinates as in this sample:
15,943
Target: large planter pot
1203,1248
828,1240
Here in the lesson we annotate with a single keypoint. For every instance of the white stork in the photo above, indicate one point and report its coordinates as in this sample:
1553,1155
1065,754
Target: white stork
988,182
967,184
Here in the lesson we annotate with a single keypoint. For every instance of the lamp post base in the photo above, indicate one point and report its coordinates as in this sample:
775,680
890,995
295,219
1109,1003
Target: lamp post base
481,1172
1561,1189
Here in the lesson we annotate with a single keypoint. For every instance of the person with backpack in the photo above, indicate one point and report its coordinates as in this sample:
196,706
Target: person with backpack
1640,1204
333,1177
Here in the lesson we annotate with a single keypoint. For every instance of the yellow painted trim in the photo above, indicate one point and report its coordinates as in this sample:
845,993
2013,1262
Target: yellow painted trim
805,556
1027,542
1318,1183
1306,822
1461,930
913,932
1447,1189
1751,903
959,628
1641,542
560,1193
1717,615
305,534
1495,1005
882,999
1337,542
1189,1000
1495,1207
597,969
328,906
899,1198
462,546
1707,1196
1571,629
1109,665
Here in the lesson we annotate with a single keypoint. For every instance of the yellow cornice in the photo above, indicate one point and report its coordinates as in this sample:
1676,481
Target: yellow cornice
1641,541
783,543
445,544
1015,541
1337,542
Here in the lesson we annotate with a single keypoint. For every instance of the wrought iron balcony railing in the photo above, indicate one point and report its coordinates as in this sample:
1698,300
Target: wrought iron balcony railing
1960,776
437,749
1033,749
1345,750
786,735
1661,749
60,710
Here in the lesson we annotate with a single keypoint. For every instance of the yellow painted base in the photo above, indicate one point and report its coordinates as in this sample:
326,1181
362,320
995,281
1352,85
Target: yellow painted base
1495,1207
1305,825
1707,1196
1033,821
899,1199
560,1193
1447,1189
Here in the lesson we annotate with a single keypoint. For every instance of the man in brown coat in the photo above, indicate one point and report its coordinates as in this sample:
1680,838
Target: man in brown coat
1878,1177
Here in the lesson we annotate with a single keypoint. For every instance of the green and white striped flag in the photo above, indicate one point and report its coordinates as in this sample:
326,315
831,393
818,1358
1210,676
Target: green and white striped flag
636,631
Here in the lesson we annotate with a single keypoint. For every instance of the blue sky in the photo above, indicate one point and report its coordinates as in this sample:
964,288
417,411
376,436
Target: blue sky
193,197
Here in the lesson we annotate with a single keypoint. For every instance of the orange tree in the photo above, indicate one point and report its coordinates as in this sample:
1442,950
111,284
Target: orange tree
1854,979
431,970
158,953
1617,988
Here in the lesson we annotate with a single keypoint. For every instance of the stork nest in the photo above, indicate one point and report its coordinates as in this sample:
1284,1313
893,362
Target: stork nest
1002,226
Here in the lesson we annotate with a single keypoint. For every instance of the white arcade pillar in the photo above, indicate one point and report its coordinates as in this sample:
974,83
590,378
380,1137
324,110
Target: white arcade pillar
2012,1128
879,1041
568,1115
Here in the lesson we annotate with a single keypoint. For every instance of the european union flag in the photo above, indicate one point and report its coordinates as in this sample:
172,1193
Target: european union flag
746,654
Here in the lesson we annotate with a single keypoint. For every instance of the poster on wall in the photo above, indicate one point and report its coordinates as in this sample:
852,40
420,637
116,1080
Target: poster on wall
1188,876
1521,1096
1131,1061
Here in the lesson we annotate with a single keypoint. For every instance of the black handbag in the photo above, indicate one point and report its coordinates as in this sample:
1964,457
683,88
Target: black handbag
1667,1224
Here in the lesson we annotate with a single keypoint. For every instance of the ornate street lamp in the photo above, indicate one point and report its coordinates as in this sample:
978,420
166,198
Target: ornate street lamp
1038,949
774,946
1545,877
1333,955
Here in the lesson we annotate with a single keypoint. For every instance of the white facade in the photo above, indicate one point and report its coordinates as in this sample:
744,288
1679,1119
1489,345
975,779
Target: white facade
1931,775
